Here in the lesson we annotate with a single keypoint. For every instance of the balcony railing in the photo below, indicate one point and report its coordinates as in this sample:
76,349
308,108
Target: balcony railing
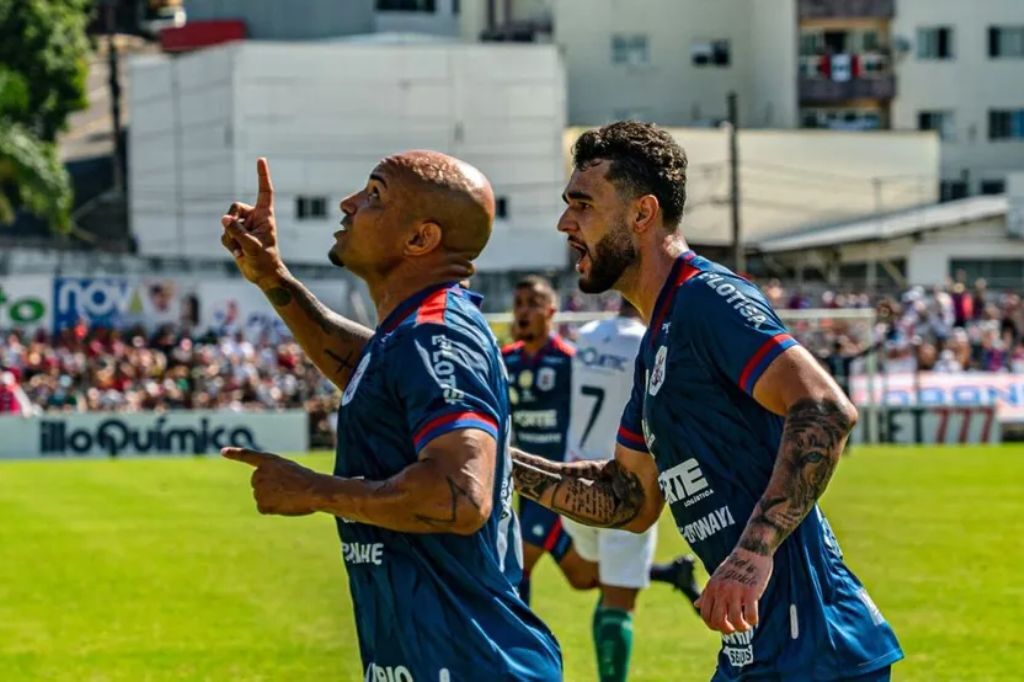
823,91
838,77
843,9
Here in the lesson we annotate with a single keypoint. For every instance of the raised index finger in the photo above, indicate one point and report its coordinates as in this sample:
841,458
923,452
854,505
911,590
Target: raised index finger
265,198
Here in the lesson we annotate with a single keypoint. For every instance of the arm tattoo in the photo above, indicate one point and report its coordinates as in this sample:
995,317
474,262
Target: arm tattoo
330,340
344,363
279,296
288,291
812,440
457,493
739,570
601,494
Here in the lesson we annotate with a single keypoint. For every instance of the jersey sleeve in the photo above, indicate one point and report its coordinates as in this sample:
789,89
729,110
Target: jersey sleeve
631,430
445,382
732,325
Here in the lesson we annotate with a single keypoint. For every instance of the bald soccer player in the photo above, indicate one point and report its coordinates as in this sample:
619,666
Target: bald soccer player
421,486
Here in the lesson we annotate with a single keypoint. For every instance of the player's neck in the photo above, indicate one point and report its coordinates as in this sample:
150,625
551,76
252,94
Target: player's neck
387,293
534,346
649,275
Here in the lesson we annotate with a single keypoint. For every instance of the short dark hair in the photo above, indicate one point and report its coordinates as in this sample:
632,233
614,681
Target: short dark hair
644,160
538,282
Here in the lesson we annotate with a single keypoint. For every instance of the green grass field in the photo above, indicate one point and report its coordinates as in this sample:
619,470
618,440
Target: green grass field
162,570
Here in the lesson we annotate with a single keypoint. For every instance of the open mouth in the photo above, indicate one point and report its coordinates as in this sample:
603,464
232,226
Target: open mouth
582,255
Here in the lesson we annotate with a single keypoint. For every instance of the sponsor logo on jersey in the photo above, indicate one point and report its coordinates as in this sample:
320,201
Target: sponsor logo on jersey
513,395
658,373
535,419
684,483
706,526
545,379
525,379
388,673
740,302
353,383
738,648
538,438
591,357
359,553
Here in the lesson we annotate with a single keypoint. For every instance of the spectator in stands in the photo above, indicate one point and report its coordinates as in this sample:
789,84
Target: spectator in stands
13,400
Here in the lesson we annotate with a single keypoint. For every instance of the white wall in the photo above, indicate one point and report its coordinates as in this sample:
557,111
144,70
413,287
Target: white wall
324,114
796,178
929,258
969,84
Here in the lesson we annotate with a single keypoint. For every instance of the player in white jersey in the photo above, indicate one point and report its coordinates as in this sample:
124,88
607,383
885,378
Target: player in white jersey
602,379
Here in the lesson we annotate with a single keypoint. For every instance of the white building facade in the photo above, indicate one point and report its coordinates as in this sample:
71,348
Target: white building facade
324,114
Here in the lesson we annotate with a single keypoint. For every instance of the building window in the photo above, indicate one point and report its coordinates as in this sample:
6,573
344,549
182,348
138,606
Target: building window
950,190
630,49
997,272
310,208
940,121
501,207
993,186
1006,41
841,119
1006,124
710,53
935,43
428,6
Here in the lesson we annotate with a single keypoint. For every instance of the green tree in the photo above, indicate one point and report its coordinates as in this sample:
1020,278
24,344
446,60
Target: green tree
45,42
43,68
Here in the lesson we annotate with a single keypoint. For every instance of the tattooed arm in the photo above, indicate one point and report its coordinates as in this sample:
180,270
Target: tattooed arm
818,419
615,493
448,489
331,341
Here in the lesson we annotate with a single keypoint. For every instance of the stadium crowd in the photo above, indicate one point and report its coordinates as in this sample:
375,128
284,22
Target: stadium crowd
952,328
97,370
945,329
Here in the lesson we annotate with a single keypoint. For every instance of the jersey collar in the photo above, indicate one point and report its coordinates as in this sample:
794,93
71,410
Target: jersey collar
412,304
681,271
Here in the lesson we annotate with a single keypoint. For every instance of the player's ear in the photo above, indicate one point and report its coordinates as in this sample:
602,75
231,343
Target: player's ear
425,238
645,212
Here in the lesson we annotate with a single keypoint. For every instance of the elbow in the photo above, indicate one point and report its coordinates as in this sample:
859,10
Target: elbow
848,410
474,515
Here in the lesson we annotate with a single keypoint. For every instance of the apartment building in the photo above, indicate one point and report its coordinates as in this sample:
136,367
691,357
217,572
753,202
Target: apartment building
963,76
952,66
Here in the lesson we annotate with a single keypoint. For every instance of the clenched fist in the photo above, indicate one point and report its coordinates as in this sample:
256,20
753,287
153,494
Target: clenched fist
728,602
279,485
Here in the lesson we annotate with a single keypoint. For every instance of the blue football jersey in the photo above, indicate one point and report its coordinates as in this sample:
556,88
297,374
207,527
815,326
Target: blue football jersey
438,607
540,392
711,337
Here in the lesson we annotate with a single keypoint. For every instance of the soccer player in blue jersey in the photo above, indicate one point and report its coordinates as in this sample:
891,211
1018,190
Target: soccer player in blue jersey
422,487
539,364
730,421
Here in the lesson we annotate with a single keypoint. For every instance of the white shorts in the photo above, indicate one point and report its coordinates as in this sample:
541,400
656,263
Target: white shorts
623,558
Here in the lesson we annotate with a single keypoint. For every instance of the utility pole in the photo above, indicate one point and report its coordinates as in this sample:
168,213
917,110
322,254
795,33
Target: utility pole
739,260
110,11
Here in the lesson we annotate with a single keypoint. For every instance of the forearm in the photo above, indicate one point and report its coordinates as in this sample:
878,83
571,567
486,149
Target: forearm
588,469
331,341
813,438
594,493
419,499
